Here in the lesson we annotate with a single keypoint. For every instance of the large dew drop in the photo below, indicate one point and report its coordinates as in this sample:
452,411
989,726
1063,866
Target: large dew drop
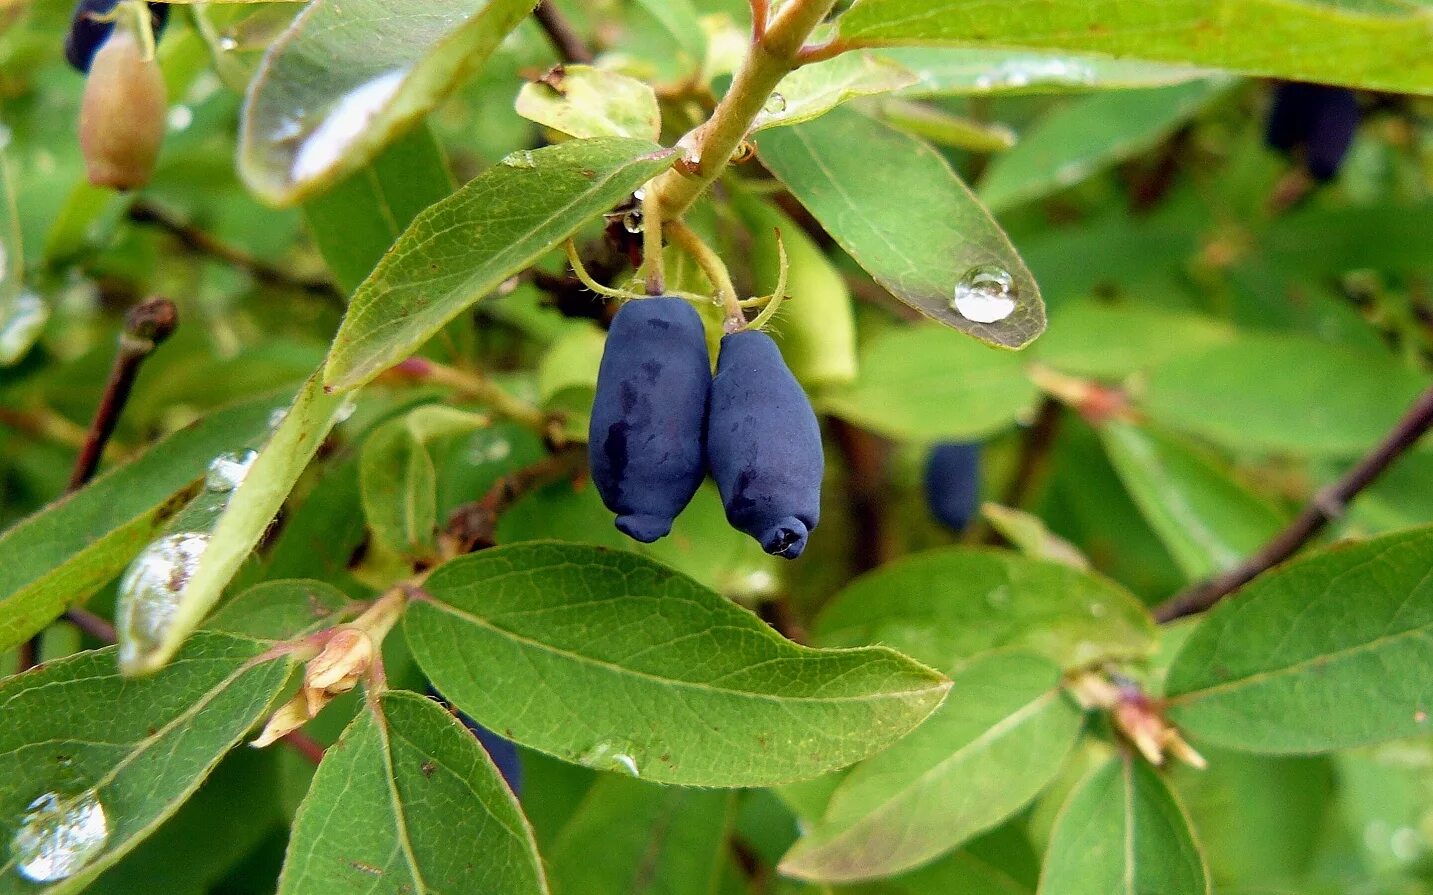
149,592
345,122
21,325
227,472
58,836
986,294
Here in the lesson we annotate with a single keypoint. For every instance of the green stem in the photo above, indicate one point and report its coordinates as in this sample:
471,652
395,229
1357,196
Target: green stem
773,55
711,264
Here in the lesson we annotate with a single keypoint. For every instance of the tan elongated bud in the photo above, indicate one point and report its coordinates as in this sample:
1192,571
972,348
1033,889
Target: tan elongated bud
122,116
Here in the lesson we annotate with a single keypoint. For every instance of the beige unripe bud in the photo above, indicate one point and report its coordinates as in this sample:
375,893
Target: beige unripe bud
122,117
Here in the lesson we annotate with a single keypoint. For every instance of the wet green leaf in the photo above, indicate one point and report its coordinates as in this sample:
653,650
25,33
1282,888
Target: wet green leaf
945,607
465,246
914,227
583,101
999,739
1328,652
629,666
1030,535
408,800
813,90
1123,830
965,70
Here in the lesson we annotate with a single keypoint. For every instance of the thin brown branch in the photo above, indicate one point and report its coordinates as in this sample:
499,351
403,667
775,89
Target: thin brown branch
565,40
200,243
91,624
1035,449
760,15
145,328
473,526
864,456
1326,506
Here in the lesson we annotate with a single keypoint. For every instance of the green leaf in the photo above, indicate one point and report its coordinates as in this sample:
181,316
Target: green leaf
1209,522
1104,341
357,219
250,509
583,101
1242,395
22,315
914,226
1030,535
963,70
65,552
613,661
634,838
813,90
947,606
1123,830
349,76
131,750
998,740
1349,42
408,801
465,246
679,19
927,383
398,483
1328,652
1086,136
279,610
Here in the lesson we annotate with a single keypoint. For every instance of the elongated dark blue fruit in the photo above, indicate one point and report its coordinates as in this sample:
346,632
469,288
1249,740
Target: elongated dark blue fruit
952,483
646,440
1316,122
86,35
764,445
502,751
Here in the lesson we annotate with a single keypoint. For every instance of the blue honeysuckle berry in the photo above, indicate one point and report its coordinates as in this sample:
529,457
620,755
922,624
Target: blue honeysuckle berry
646,440
502,751
1315,121
952,483
764,445
86,35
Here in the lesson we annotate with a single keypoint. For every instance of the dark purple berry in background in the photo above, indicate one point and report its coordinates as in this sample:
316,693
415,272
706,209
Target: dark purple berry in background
86,35
764,445
1315,122
952,483
503,752
645,441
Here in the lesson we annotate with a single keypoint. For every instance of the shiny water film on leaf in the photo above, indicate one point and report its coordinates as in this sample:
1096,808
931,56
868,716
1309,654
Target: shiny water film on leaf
631,667
349,76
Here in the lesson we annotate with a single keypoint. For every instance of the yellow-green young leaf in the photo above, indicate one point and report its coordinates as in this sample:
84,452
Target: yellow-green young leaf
942,71
999,739
925,383
947,606
408,801
1328,652
397,480
1380,46
457,251
1087,135
1030,535
816,329
615,662
91,763
348,76
1122,830
570,365
679,19
252,507
1105,341
914,226
814,90
583,101
1209,521
355,221
65,552
1242,395
634,838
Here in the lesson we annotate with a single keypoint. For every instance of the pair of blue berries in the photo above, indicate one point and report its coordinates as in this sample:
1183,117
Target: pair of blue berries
661,420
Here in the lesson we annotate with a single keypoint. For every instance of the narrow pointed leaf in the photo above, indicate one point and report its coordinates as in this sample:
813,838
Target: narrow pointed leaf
1328,652
997,741
465,246
349,76
1122,830
942,71
613,661
137,749
408,801
1379,46
947,606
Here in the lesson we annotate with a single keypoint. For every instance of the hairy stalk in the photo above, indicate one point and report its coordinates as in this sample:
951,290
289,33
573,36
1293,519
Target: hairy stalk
656,277
479,387
774,53
711,264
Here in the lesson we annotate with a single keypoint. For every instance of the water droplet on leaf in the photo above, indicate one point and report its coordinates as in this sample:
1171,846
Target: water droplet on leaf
346,120
775,104
985,294
632,222
227,471
522,158
610,756
149,592
58,836
228,43
22,326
